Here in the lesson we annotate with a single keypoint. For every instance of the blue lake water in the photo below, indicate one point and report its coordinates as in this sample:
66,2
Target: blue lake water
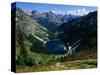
55,47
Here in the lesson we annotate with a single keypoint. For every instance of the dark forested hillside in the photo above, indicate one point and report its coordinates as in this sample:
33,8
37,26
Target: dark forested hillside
84,28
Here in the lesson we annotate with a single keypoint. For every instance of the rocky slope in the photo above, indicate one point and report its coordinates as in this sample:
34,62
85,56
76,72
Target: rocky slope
30,35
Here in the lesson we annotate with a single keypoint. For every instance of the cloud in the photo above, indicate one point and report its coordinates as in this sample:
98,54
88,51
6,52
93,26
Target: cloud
77,12
57,11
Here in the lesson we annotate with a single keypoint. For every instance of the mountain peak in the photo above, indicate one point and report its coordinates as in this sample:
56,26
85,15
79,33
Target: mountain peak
35,11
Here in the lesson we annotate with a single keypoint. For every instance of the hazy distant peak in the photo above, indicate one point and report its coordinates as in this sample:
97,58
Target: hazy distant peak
35,11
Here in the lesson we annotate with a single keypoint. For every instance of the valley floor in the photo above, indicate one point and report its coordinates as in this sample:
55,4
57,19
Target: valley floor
68,65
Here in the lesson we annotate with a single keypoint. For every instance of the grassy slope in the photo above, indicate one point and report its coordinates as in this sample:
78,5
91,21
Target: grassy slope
77,64
87,53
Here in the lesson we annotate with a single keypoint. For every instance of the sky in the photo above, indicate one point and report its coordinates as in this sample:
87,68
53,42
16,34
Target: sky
56,8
